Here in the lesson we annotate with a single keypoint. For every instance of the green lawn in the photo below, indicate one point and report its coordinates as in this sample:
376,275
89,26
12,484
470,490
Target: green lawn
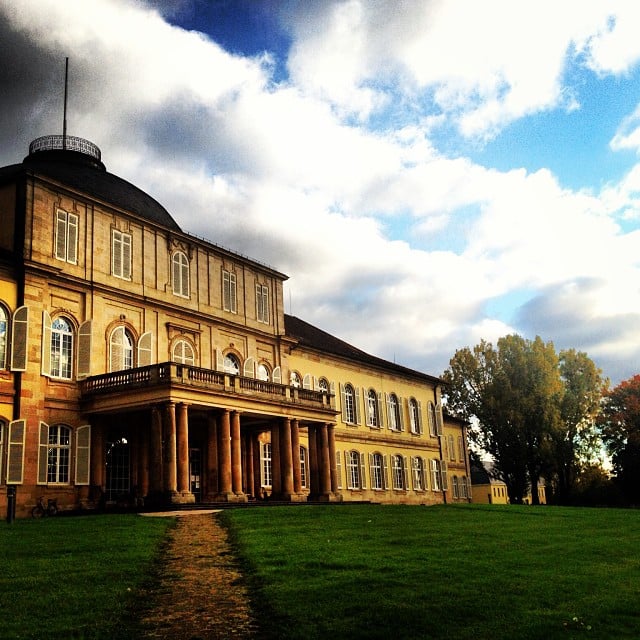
455,572
69,577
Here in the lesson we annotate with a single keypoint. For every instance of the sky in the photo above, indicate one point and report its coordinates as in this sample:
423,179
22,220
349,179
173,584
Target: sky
427,173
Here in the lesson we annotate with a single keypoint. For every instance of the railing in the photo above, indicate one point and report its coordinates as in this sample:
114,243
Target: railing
69,143
182,374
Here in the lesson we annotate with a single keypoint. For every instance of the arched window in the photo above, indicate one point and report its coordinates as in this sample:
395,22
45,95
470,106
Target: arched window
394,413
58,453
414,416
263,372
183,353
418,474
4,327
180,271
120,349
323,385
295,380
349,399
376,469
353,470
397,466
61,348
232,364
373,415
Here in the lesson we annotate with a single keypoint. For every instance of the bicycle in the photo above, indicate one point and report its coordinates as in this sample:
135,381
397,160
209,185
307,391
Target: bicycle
41,510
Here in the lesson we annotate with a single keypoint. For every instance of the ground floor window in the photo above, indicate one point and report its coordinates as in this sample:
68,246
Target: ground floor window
397,464
265,464
303,467
118,468
376,468
58,454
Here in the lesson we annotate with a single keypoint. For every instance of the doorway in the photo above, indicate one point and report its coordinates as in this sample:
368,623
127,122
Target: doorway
195,473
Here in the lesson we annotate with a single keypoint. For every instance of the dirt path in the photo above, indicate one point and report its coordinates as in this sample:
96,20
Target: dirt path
201,594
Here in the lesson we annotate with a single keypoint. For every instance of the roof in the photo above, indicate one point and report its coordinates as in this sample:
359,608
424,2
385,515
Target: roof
313,338
88,176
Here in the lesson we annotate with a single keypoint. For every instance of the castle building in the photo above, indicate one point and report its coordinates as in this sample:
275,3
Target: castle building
141,365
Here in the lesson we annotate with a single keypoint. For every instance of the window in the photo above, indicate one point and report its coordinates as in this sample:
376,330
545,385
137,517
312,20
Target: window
121,255
373,413
432,420
349,404
418,474
263,372
398,469
118,464
414,416
461,448
262,303
232,364
456,489
66,239
180,272
323,385
376,471
56,441
229,299
295,380
2,437
4,325
303,467
183,353
265,464
353,470
452,450
439,480
61,348
120,350
393,409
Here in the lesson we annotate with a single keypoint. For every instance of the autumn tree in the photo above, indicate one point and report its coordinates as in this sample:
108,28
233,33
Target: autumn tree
619,423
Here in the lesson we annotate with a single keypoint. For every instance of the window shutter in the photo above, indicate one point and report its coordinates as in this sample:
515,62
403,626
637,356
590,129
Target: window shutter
347,469
126,256
61,234
419,416
414,472
307,382
385,472
439,419
15,451
144,349
43,453
389,409
368,418
19,338
435,483
84,349
83,455
401,407
117,349
232,290
339,468
45,360
116,253
356,404
249,369
443,474
431,419
277,375
343,402
425,473
381,409
405,468
363,469
452,451
72,238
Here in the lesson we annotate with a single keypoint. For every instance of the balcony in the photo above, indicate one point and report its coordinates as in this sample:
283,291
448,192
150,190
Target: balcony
171,374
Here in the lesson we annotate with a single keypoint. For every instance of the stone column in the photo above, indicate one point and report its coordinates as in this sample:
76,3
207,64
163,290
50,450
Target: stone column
286,464
332,458
236,454
211,471
170,470
276,477
295,456
182,439
224,449
314,475
155,452
325,466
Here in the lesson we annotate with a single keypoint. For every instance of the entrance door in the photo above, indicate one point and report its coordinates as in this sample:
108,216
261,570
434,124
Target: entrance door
195,473
118,470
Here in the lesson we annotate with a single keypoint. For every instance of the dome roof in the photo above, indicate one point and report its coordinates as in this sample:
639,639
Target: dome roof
77,163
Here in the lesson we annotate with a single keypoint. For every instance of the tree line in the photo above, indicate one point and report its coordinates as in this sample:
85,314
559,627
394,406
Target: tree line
545,415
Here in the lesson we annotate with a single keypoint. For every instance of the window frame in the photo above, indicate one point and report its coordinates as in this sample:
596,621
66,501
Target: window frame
180,274
58,454
4,335
373,409
415,416
121,254
349,400
266,461
181,358
262,303
376,471
65,242
353,463
236,369
61,348
128,350
398,472
418,474
229,291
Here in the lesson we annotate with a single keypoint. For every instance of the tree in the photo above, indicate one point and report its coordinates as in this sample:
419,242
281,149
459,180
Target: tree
531,408
619,423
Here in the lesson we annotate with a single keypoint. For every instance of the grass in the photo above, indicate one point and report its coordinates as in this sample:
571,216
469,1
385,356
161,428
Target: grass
456,572
75,577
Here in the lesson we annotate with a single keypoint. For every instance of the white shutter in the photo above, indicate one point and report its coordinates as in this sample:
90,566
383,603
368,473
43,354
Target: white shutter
347,470
276,376
61,234
435,481
385,471
389,409
406,473
72,238
233,300
307,382
116,347
15,451
126,256
412,462
368,418
401,406
43,453
431,418
144,349
381,410
443,475
356,404
439,420
116,253
45,347
363,469
339,469
343,402
249,369
19,338
84,349
83,455
419,416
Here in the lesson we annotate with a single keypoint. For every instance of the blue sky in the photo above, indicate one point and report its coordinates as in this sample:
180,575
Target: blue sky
428,174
